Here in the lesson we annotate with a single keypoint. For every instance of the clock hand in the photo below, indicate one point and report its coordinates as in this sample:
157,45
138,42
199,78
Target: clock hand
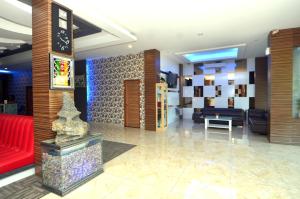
63,40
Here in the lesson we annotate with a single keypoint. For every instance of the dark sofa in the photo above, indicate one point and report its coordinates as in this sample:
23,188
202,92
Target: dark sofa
238,115
258,120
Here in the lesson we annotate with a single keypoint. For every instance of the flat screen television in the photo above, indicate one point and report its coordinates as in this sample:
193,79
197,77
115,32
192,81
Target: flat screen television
172,80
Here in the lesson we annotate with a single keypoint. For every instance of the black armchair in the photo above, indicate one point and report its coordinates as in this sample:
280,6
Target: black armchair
258,120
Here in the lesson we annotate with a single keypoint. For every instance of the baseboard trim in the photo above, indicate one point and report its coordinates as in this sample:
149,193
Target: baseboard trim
16,175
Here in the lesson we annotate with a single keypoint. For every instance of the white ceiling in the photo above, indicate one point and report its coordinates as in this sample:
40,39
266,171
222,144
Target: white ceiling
172,26
16,29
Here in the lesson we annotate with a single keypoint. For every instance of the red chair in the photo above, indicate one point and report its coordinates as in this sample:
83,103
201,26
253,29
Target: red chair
16,142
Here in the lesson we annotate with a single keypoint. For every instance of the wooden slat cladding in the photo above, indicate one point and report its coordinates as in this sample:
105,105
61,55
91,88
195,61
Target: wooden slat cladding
283,127
152,70
46,103
41,44
261,82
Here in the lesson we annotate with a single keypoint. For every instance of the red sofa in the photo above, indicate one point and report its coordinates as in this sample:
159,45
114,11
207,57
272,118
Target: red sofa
16,142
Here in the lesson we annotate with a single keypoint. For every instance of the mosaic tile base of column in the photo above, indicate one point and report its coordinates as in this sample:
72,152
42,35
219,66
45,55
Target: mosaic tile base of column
69,165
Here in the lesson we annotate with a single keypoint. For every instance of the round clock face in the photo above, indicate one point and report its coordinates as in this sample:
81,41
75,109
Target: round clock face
63,40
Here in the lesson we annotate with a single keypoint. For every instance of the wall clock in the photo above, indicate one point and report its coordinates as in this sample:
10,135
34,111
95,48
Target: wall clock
62,33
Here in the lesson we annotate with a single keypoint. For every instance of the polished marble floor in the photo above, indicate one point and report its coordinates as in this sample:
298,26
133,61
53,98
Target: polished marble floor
187,162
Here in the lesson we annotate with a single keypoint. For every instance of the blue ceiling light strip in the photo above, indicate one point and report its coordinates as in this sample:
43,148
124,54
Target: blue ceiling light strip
212,55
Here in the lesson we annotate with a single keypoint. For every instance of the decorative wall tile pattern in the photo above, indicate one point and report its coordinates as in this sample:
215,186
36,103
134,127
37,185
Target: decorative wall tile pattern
226,84
17,86
106,76
241,90
218,91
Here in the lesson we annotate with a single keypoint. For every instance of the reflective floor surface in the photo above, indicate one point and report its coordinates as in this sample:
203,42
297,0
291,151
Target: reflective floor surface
188,162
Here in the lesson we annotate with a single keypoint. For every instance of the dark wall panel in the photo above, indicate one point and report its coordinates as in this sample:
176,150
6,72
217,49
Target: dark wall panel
80,96
3,87
261,82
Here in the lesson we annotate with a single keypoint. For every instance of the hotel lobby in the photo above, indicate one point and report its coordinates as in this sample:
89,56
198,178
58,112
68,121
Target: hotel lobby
193,99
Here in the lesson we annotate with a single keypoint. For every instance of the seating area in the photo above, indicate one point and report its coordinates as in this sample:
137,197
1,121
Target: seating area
237,115
16,142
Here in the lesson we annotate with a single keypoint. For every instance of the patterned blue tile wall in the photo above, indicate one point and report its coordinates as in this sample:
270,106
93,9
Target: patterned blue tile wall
105,87
17,84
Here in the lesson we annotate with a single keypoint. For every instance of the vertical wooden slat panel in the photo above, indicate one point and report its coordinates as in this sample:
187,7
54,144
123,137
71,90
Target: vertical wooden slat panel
41,44
152,70
46,103
283,127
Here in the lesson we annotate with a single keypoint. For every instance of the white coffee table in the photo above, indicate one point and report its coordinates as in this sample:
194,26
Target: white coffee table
228,126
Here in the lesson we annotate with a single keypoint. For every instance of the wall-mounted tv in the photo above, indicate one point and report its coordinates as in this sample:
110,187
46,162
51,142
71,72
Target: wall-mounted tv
61,72
172,80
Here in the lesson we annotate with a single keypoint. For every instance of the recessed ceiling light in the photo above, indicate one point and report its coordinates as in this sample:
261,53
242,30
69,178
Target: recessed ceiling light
129,46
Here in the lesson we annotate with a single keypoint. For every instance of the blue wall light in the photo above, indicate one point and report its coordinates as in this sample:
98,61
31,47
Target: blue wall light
90,88
212,55
5,71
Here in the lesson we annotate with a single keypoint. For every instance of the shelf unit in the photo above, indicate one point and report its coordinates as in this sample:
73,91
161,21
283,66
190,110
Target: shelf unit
161,106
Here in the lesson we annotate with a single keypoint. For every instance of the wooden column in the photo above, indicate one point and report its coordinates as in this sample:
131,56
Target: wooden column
152,70
283,127
46,103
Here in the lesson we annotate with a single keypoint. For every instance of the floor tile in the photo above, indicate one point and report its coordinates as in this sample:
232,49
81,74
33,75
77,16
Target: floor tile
184,163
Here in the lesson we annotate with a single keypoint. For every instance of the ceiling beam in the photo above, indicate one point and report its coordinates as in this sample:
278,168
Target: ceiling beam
14,27
11,41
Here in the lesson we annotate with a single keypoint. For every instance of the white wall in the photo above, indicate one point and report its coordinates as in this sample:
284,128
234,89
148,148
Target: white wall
169,63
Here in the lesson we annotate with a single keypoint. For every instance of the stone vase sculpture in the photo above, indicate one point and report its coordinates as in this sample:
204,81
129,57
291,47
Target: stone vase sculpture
69,126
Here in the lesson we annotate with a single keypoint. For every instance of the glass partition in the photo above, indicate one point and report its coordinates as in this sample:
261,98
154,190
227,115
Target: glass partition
296,83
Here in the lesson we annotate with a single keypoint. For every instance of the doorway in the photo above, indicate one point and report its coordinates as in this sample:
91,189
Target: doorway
132,103
29,100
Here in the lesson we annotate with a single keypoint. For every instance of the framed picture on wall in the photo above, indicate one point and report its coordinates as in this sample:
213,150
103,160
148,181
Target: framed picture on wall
61,72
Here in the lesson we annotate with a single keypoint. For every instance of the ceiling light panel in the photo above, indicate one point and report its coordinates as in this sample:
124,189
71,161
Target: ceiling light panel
212,55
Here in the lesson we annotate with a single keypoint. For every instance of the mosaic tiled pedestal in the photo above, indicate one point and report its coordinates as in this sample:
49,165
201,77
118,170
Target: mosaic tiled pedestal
69,165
